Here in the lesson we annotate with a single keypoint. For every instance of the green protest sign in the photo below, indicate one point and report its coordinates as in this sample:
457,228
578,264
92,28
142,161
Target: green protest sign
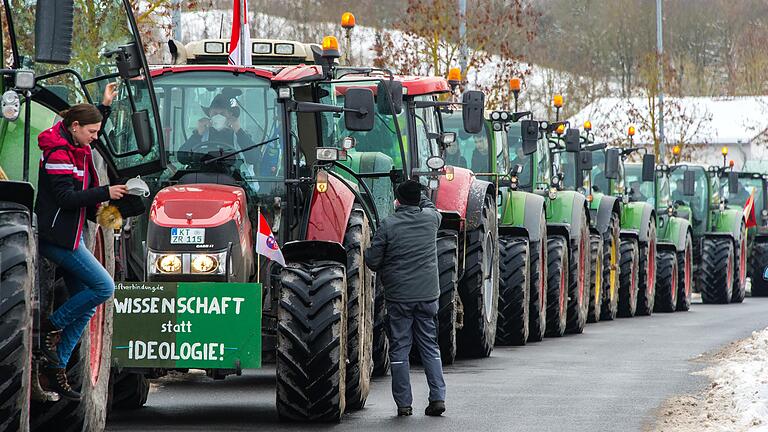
187,325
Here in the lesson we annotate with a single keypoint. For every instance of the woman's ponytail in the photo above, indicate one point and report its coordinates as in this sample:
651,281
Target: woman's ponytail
84,114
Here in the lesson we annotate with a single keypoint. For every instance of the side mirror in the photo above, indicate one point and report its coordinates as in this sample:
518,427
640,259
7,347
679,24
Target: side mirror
395,91
472,111
649,167
53,31
572,140
611,170
359,109
529,129
733,183
585,163
689,180
143,131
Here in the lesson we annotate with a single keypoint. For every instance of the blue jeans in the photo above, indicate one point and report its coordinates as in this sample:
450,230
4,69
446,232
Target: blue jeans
410,323
89,285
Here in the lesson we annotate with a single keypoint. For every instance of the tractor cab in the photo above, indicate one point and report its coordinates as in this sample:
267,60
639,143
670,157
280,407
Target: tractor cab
264,52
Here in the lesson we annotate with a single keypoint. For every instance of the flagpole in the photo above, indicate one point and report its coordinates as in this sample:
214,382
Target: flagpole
258,255
242,33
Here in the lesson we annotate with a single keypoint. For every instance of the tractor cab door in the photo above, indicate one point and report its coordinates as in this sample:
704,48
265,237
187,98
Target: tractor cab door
105,47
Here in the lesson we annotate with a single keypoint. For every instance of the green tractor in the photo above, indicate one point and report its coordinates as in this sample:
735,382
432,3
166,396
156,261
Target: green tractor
719,230
637,254
53,71
754,181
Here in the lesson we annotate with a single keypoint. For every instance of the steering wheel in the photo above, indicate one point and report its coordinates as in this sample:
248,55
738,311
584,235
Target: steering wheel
210,150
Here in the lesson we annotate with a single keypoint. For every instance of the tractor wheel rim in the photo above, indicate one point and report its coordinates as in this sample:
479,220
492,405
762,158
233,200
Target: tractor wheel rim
687,271
96,324
563,273
598,279
743,261
581,275
488,277
674,282
651,271
542,281
614,259
729,274
633,290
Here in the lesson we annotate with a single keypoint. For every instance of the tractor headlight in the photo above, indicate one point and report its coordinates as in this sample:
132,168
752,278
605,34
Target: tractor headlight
167,264
764,213
204,264
327,154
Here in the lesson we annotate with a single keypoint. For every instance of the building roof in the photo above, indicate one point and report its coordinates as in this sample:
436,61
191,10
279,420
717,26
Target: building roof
695,120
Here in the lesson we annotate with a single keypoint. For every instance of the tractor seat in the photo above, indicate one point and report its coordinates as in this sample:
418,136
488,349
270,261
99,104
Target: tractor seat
208,177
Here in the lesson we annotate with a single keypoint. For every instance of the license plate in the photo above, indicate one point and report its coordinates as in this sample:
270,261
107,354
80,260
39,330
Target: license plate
187,235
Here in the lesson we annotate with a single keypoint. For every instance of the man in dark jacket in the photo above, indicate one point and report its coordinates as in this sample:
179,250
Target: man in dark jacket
404,253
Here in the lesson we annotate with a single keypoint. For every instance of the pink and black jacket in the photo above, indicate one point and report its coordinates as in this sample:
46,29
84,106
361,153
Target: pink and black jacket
68,188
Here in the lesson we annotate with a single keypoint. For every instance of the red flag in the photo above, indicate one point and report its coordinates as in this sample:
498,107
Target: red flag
749,210
236,46
265,242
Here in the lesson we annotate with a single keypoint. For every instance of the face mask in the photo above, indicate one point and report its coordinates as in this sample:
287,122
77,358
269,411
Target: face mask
218,122
137,186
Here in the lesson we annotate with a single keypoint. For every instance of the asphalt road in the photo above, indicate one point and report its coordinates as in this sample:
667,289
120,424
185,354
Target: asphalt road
612,377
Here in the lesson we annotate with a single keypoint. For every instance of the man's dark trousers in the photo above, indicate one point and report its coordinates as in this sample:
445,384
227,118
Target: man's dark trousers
409,323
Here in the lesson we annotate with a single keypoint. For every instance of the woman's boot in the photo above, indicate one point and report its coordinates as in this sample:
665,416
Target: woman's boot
55,380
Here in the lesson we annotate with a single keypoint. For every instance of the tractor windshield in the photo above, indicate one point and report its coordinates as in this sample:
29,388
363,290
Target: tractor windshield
599,182
517,157
747,186
638,189
569,167
472,151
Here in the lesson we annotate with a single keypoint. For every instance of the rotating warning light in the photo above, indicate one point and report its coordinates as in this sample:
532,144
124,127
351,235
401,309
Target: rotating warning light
631,131
515,84
676,150
454,75
587,125
724,151
331,47
560,129
731,163
348,20
557,101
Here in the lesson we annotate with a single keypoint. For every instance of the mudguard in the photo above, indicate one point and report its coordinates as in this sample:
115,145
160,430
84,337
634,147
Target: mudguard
306,250
478,189
673,234
329,212
728,221
563,214
635,217
607,206
19,192
451,195
513,219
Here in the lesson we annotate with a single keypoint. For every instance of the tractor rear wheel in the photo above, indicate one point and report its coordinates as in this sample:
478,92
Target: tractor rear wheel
666,281
89,367
557,285
537,310
311,342
380,339
647,295
595,278
685,275
17,263
514,291
611,269
740,273
479,286
716,270
759,269
129,390
630,263
448,312
359,312
578,290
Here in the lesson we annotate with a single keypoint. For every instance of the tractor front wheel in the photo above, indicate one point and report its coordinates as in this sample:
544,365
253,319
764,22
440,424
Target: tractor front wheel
716,275
759,269
646,296
666,281
448,313
514,291
611,269
595,278
557,285
578,291
740,273
380,339
630,263
311,342
685,275
537,310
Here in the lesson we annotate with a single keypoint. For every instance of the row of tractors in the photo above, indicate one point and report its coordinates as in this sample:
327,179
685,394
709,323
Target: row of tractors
543,229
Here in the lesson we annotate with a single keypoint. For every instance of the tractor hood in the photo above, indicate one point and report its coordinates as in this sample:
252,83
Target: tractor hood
199,206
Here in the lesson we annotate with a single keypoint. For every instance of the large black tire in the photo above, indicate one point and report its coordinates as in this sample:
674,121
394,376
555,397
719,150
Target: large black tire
740,271
646,295
685,279
447,315
359,312
86,373
537,310
380,339
129,390
759,264
514,291
17,252
578,278
557,285
716,270
595,278
666,281
611,269
629,277
311,342
479,286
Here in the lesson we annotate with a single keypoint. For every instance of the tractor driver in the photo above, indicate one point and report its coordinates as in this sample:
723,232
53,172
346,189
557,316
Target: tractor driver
480,155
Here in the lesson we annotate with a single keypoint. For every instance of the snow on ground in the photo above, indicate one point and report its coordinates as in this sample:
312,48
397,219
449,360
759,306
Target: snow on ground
736,398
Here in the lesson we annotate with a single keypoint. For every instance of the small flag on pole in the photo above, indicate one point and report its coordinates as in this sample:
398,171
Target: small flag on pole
266,244
749,210
240,41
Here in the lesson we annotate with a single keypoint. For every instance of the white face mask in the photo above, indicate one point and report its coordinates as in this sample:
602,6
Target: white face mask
218,122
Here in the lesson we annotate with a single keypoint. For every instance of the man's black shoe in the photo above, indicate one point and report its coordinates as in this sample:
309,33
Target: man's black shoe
55,380
49,338
404,411
435,408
